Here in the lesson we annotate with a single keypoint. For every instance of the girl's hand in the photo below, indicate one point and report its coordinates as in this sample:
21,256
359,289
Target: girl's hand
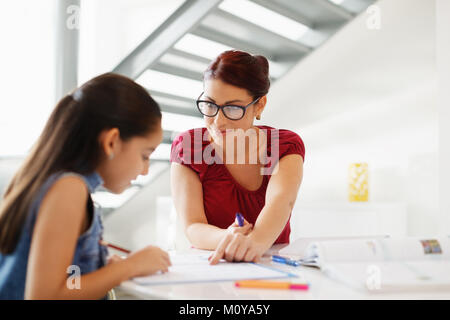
114,258
147,261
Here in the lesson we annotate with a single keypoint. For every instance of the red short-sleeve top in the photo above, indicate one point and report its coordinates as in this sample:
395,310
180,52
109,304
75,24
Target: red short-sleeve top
222,195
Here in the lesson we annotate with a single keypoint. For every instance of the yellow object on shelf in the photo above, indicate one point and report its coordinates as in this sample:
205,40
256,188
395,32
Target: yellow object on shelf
358,189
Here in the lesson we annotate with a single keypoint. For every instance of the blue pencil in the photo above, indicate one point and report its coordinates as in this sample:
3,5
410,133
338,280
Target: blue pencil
240,219
287,261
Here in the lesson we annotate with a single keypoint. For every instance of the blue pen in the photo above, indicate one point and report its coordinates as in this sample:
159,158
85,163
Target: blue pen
240,219
287,261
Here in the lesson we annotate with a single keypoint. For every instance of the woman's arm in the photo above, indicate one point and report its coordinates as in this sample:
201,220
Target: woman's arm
281,194
187,194
58,225
280,198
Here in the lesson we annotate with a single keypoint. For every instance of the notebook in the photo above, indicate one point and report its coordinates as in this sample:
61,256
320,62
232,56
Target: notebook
383,264
191,268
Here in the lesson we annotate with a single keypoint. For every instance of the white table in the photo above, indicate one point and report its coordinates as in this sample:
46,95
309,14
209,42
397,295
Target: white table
321,287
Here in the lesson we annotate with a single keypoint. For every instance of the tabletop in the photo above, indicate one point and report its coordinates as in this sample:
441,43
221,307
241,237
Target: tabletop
321,287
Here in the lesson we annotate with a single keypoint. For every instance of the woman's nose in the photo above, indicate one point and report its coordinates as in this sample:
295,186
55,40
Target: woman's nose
220,118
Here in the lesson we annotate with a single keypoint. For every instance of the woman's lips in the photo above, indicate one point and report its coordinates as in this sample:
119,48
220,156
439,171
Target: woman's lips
220,132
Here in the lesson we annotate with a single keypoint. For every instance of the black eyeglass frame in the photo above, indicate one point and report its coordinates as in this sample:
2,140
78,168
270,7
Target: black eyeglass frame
244,108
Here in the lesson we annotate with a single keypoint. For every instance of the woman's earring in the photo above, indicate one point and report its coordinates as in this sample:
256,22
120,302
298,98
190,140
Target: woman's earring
258,117
111,156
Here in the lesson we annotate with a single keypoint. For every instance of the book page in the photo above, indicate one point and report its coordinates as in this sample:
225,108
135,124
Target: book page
358,250
299,246
390,249
417,248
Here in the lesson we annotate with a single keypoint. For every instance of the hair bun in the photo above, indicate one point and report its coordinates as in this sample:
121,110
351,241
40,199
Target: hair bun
241,69
264,63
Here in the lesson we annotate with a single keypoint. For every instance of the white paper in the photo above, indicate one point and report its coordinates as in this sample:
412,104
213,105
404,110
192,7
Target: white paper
189,268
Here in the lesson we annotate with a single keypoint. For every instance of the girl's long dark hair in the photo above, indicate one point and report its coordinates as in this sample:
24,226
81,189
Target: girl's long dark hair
69,142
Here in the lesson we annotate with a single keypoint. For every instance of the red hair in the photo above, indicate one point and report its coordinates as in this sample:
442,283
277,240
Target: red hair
241,69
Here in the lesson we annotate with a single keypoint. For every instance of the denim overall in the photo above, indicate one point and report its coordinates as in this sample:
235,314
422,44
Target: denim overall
89,254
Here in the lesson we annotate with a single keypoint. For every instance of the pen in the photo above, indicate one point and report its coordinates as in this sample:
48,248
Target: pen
264,284
240,219
287,261
105,243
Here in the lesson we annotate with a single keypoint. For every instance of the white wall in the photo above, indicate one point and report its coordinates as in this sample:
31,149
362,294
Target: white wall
443,67
369,95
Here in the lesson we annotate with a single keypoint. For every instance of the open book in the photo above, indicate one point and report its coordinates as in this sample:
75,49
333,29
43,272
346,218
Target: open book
382,264
298,247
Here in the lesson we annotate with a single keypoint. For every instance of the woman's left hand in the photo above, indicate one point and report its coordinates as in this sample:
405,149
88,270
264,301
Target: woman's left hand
237,247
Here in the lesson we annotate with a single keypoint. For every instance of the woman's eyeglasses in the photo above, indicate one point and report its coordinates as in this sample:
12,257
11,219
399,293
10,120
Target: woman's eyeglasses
232,112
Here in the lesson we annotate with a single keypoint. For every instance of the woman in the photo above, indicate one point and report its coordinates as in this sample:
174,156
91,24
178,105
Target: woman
214,178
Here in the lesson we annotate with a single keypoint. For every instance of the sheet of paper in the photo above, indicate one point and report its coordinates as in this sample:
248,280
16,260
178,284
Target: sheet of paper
190,268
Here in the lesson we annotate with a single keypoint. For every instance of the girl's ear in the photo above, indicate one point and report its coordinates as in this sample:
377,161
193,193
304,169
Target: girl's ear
109,141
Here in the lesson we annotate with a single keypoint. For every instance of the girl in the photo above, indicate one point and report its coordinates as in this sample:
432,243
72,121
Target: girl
101,134
209,192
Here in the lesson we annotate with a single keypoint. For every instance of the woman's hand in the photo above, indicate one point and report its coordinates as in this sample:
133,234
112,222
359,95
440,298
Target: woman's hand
147,261
237,245
235,228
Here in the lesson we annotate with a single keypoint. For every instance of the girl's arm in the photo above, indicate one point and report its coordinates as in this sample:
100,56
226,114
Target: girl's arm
59,223
280,198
